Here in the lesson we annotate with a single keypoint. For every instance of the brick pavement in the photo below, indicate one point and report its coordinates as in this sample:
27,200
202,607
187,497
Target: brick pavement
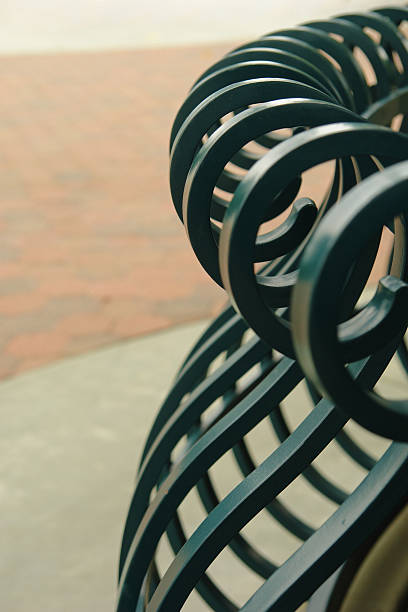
91,251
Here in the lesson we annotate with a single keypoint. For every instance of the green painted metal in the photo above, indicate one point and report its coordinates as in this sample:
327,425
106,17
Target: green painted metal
294,315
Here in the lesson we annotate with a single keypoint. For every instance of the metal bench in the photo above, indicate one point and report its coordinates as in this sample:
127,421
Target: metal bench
244,144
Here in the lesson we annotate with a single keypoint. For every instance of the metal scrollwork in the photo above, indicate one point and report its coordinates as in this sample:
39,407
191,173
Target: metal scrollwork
295,267
321,343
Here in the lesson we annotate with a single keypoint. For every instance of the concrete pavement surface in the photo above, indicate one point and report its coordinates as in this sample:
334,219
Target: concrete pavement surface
72,434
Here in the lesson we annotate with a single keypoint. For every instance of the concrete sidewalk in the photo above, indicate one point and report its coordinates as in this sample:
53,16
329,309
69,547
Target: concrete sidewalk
72,434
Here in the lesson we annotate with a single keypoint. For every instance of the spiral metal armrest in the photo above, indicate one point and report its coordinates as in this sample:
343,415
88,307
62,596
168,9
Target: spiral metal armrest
329,94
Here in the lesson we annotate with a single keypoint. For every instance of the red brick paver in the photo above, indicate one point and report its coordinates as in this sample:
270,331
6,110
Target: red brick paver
91,251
